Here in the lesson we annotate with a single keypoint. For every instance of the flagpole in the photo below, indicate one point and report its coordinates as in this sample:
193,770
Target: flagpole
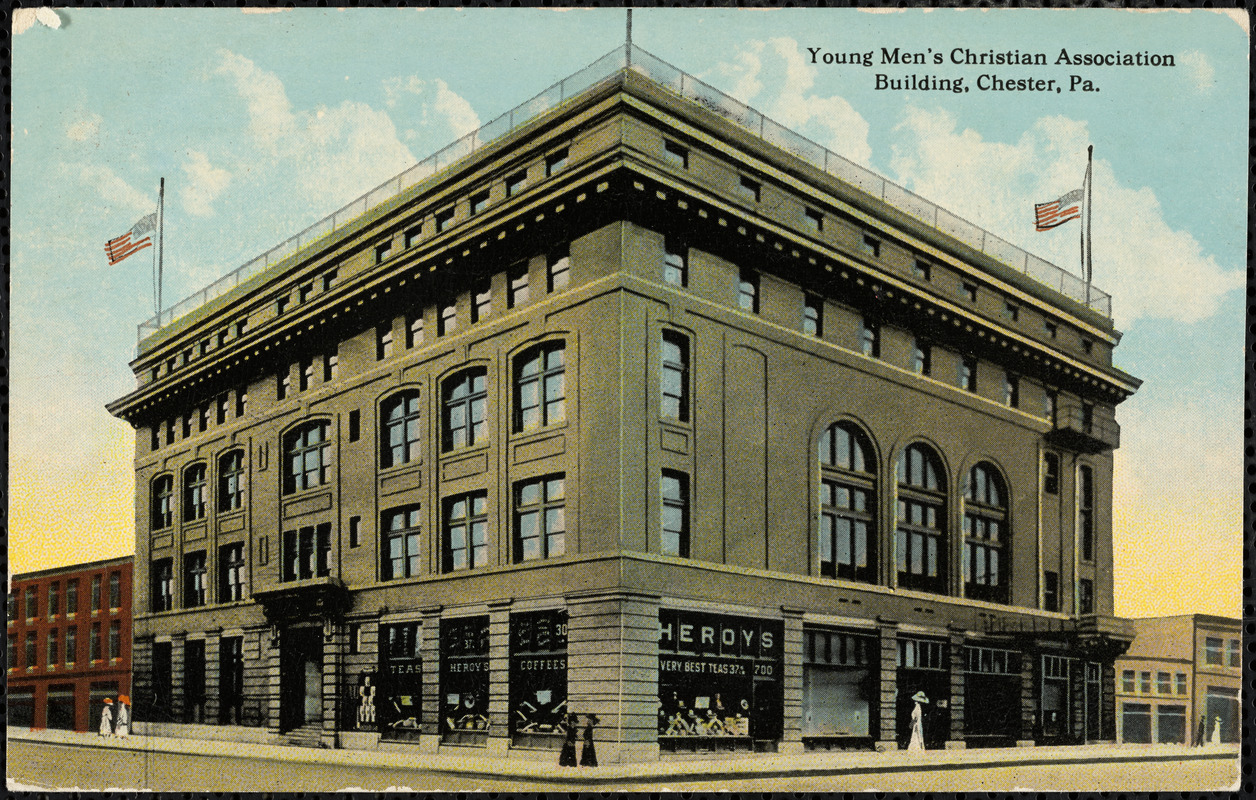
628,39
161,230
1090,244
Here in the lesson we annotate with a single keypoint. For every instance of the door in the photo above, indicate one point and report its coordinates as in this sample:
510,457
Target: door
301,679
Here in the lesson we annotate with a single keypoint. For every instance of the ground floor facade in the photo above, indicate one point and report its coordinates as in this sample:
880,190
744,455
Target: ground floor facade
71,701
666,675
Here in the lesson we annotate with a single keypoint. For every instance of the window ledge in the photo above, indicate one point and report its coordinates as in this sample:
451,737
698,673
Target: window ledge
555,427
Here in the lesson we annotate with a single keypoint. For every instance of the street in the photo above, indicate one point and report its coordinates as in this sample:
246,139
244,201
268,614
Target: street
39,765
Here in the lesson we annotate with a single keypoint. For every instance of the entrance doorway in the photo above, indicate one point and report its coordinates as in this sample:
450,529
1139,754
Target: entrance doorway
301,677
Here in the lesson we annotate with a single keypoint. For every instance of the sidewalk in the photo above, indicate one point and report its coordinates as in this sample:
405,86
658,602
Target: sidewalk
748,766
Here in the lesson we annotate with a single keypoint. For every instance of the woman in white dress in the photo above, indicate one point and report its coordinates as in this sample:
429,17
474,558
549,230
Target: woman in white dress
122,725
106,718
917,741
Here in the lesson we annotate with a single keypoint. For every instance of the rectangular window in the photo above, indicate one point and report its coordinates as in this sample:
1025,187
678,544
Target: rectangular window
675,263
355,425
222,338
1086,512
414,331
555,162
674,377
1052,329
750,189
307,552
870,339
1180,682
304,292
331,367
921,358
115,591
383,342
815,219
922,270
71,597
194,579
969,290
1051,473
516,182
155,437
1011,311
32,602
54,599
98,599
1144,682
558,269
1234,653
675,154
1011,390
540,518
1086,596
748,291
1051,591
382,251
281,304
481,303
447,322
412,236
1212,647
187,424
12,655
479,202
517,285
221,411
402,536
231,680
1164,683
444,219
1127,681
93,643
202,419
53,655
1050,401
540,387
355,531
674,491
231,572
871,245
170,431
307,374
242,401
71,646
466,531
32,650
968,373
115,640
813,315
162,584
1088,346
283,385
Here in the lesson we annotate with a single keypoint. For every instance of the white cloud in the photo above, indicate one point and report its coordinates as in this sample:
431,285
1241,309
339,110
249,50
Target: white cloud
1151,269
456,110
84,128
115,191
270,112
205,183
438,105
1199,69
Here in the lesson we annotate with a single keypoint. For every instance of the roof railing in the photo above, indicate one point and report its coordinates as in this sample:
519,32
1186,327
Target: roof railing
705,95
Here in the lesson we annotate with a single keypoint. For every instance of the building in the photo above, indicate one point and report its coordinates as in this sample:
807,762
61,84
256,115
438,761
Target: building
1181,673
629,408
69,643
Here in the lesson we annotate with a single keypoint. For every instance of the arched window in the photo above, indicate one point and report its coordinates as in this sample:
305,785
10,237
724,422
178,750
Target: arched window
163,501
465,406
194,493
400,438
847,504
921,534
987,536
308,457
231,480
540,387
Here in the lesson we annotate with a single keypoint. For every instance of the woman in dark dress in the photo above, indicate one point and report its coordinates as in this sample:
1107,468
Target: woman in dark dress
567,758
588,756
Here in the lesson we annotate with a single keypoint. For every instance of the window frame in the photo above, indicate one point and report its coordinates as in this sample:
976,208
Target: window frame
473,523
987,543
161,513
680,501
195,585
550,542
549,410
232,575
409,420
680,398
402,525
472,382
848,469
195,492
161,585
298,444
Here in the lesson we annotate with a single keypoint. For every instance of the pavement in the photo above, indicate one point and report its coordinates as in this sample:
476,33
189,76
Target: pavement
744,766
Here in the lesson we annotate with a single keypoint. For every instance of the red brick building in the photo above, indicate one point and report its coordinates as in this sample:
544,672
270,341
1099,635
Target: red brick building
69,643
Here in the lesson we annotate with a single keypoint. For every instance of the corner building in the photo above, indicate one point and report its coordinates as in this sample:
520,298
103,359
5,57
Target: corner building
636,409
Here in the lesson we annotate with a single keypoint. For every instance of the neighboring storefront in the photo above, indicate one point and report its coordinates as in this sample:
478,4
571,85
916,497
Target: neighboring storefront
538,678
992,696
394,696
464,680
840,688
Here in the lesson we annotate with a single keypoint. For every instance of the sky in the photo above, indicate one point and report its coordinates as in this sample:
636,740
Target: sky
264,122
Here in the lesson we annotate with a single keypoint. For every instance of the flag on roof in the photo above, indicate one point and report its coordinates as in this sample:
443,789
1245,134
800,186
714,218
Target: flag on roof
133,240
1058,212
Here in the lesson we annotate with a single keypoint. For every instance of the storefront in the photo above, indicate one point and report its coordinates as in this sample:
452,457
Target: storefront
840,688
923,666
1222,706
464,680
992,696
1055,717
1136,723
396,701
719,681
61,707
538,678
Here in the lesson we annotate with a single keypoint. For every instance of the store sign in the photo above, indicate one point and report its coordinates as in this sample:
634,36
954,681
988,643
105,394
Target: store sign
719,635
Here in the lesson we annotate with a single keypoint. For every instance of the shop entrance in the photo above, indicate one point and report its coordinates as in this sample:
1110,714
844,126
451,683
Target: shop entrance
301,677
992,697
1056,719
1222,709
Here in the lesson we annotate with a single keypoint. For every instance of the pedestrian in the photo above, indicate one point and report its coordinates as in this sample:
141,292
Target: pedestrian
1216,730
1202,731
917,741
588,756
106,718
567,758
122,724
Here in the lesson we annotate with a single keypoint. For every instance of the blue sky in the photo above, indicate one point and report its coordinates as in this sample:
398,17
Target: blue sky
262,123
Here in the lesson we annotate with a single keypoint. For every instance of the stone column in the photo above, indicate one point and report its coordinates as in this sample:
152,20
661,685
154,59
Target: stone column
1107,704
177,704
1029,700
791,682
956,640
499,678
213,662
270,657
253,712
430,723
333,658
888,737
142,694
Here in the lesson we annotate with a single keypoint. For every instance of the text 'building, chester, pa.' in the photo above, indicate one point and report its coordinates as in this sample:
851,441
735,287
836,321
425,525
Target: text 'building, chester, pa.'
640,406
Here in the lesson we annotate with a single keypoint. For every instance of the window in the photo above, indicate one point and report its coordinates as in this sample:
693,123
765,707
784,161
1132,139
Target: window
231,480
968,373
53,656
54,599
221,410
202,418
115,591
1233,653
1127,681
847,504
540,519
675,263
870,339
815,219
194,579
1086,512
558,269
1052,329
1088,346
871,245
1212,647
1050,591
12,606
675,154
304,292
1011,311
540,387
231,572
1088,417
674,491
969,290
71,597
921,534
479,202
1086,596
170,431
382,251
750,189
355,425
1051,473
97,595
813,315
517,285
555,162
32,652
331,367
401,437
383,342
115,640
516,182
443,219
187,424
921,357
482,303
71,646
307,552
308,455
748,291
194,493
400,547
1144,682
986,535
281,304
414,331
447,322
1164,683
155,437
306,378
466,531
465,409
222,338
674,377
355,531
1011,390
412,236
1180,682
231,680
1050,401
242,401
162,585
32,602
922,270
12,655
283,385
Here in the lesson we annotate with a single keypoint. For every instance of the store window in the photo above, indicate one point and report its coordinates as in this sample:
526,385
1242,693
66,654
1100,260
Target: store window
1136,723
400,680
840,687
1055,719
847,546
464,682
538,677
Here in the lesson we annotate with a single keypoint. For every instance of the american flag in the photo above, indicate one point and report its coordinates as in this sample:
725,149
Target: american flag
133,240
1058,212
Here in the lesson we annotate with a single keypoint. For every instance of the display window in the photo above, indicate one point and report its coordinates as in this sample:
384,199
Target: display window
992,696
464,679
538,677
719,679
396,701
840,687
